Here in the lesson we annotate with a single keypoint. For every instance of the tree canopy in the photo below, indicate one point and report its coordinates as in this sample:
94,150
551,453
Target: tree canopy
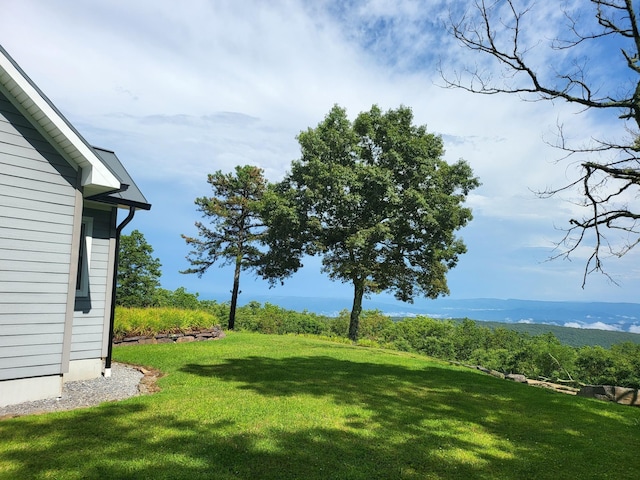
593,62
376,201
138,272
234,226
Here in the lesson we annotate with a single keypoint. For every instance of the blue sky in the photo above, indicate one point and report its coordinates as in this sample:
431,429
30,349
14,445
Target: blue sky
179,92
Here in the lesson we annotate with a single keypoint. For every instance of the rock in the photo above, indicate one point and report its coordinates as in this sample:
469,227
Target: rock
516,377
186,338
131,339
626,396
595,391
622,395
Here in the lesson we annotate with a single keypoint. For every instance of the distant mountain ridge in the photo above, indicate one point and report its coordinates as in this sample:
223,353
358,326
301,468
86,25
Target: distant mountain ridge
623,317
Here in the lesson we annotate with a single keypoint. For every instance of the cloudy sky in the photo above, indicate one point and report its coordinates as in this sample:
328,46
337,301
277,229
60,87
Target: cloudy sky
182,89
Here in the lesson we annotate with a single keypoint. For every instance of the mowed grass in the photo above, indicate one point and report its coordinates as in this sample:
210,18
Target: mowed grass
284,407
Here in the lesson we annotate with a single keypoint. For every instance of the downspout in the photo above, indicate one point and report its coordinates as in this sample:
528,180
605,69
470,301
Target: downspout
112,316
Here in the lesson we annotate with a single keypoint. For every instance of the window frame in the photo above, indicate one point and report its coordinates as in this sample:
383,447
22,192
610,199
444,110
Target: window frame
84,257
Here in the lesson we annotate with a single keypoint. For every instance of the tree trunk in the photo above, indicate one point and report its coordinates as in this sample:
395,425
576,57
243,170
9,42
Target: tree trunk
356,310
234,293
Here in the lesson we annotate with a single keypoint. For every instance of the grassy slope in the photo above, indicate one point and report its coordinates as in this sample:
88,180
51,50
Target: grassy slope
254,406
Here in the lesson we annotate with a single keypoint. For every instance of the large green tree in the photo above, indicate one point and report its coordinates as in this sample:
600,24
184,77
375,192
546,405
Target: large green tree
376,201
138,272
234,226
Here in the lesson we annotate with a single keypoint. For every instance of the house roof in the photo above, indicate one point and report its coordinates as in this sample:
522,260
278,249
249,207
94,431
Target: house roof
96,176
130,195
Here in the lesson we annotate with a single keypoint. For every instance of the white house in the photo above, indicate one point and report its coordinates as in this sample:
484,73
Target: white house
59,198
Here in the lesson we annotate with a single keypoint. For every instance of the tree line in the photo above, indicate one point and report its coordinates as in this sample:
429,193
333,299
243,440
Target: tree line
499,348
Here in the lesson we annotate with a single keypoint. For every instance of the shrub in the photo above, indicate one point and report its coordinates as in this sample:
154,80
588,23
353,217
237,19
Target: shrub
367,342
422,335
597,366
179,298
339,326
373,324
468,338
151,321
627,360
271,319
303,323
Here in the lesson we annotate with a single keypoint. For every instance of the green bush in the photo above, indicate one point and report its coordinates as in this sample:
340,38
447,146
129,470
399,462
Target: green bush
367,342
499,359
551,359
627,359
421,335
271,319
339,326
254,318
618,366
179,298
468,338
301,323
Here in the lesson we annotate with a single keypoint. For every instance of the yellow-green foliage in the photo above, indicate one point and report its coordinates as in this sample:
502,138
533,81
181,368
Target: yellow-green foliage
150,321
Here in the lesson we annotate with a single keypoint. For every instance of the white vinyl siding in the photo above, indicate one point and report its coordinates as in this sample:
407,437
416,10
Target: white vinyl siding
37,198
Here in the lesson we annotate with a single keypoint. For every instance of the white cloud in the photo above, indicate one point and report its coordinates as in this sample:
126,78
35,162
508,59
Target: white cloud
593,326
182,92
634,329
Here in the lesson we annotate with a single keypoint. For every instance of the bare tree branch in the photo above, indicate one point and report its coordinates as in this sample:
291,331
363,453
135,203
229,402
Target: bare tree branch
609,179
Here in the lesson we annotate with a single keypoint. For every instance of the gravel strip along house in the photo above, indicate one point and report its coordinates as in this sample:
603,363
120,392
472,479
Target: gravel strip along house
59,232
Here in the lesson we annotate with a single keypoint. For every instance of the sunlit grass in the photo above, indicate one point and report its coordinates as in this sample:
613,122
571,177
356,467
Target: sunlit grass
285,407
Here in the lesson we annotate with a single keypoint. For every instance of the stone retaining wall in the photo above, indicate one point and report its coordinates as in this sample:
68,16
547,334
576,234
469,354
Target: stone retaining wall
214,333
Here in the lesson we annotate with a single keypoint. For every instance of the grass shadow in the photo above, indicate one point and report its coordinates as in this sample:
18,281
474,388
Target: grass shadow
515,428
397,422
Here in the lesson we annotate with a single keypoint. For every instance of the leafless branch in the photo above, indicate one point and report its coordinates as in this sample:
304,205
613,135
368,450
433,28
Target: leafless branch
609,179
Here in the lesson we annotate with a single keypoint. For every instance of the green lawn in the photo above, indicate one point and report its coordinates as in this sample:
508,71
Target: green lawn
284,407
